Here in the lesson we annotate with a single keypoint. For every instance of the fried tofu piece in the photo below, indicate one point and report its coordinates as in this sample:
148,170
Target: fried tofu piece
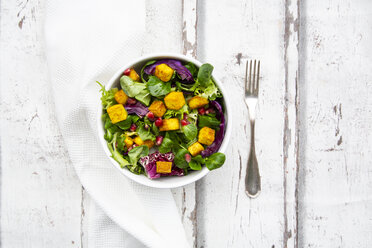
128,141
140,142
174,100
121,97
195,149
170,124
206,136
134,75
149,143
197,102
158,108
163,72
163,167
117,113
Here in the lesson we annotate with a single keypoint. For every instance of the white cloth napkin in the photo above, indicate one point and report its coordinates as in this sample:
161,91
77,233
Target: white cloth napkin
88,40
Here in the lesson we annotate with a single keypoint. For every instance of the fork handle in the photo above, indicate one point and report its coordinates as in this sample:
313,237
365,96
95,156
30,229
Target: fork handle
252,178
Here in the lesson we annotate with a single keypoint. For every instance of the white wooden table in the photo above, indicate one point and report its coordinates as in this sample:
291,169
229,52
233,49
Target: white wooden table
313,129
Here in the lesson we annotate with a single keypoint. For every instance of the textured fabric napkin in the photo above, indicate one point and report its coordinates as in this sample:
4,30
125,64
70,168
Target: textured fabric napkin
88,41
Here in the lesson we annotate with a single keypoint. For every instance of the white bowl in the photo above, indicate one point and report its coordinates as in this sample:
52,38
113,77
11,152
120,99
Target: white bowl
163,182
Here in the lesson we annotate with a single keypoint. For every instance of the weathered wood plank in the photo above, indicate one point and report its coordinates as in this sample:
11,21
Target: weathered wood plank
189,192
159,30
291,123
336,124
226,216
41,196
189,27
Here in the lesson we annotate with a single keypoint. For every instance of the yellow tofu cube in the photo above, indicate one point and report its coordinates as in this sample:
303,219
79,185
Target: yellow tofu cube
128,141
170,124
195,149
164,72
149,143
163,167
174,100
117,113
134,75
206,136
121,97
197,102
158,108
140,142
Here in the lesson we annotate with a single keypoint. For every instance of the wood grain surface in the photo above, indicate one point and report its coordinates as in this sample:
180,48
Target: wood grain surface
313,128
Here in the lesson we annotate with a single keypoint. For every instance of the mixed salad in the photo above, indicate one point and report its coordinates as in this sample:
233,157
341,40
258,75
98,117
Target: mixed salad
167,120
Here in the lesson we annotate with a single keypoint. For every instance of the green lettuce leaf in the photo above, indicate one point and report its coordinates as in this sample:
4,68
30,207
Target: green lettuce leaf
157,87
215,161
136,153
145,134
190,131
135,89
108,96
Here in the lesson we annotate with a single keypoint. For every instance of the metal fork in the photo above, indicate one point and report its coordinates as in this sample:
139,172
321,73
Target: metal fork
251,85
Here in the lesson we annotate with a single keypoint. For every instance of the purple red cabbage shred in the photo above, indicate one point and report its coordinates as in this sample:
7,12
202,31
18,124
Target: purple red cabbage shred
137,108
149,163
219,134
176,65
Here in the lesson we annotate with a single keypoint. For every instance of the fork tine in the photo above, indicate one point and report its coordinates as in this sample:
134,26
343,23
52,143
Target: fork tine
254,78
246,78
258,78
250,78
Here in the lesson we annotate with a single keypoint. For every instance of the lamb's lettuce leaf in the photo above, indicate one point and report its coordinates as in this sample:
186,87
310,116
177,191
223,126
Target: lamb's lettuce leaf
205,87
144,97
167,144
157,87
125,125
179,158
145,134
135,89
190,131
205,74
136,153
215,161
208,121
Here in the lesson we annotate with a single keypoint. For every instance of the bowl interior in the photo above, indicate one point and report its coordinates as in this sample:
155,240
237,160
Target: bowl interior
163,182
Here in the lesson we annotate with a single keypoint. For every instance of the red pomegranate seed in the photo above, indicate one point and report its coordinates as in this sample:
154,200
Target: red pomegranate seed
126,72
159,140
187,157
184,123
133,127
131,101
201,111
150,115
158,122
